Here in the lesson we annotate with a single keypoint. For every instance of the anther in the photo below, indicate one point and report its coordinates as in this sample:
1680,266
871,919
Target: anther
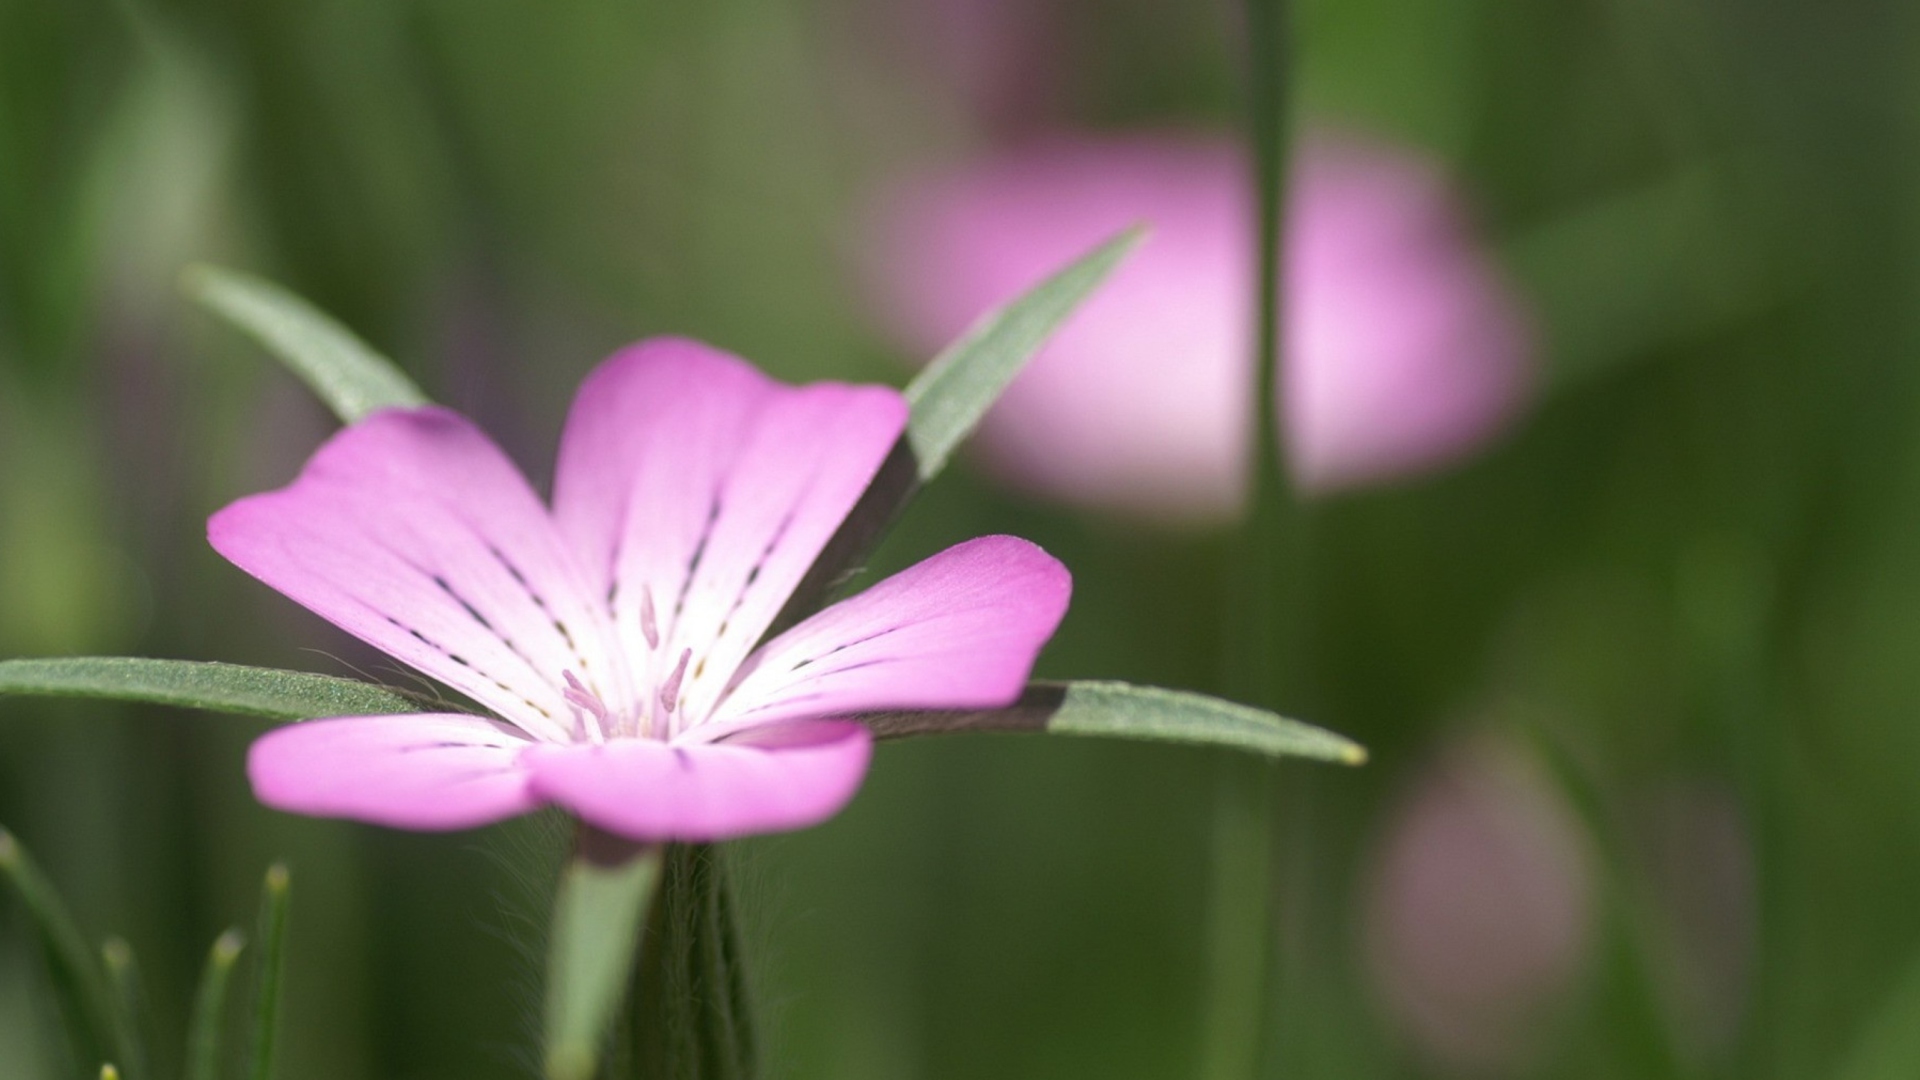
670,690
648,625
580,698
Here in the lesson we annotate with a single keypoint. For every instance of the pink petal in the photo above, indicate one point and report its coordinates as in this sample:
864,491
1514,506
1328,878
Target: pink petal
652,791
413,532
430,771
690,480
959,630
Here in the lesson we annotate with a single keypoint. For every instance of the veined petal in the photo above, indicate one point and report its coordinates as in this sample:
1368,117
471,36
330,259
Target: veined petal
959,630
789,777
413,532
691,483
427,771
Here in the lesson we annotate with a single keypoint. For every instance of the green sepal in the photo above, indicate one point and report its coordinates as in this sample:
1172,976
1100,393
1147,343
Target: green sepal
1124,711
347,373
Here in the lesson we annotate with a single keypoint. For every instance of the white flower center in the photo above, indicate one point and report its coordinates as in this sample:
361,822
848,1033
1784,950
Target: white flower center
655,714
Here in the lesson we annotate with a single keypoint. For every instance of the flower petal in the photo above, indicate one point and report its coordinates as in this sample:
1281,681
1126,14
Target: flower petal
957,631
643,789
428,771
690,482
411,531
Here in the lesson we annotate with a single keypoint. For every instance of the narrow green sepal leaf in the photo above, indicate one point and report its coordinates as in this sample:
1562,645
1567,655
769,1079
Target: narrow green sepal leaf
1123,711
597,915
964,381
80,991
347,373
132,1016
948,400
204,1041
269,961
198,684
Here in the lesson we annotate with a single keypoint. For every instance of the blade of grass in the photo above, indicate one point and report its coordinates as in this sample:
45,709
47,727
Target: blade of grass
347,373
204,1042
132,1017
269,960
194,684
1631,947
603,896
79,989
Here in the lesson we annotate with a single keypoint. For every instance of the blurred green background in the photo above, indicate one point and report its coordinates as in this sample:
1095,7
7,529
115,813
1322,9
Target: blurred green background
1646,674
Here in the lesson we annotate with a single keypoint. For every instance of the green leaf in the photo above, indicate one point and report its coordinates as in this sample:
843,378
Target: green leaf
1123,711
345,371
78,987
204,1040
269,961
948,399
195,684
596,934
132,1017
955,391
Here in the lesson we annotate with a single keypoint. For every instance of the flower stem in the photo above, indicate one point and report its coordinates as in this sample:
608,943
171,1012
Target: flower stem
691,1015
602,901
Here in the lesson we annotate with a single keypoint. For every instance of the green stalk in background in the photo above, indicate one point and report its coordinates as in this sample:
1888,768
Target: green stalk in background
1260,647
88,1016
209,1007
269,961
130,1006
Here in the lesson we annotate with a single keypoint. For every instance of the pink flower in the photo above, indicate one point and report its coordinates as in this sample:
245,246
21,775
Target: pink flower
1479,915
1405,350
617,637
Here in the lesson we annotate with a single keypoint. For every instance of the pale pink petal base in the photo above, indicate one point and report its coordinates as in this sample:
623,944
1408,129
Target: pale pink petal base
782,778
427,772
688,477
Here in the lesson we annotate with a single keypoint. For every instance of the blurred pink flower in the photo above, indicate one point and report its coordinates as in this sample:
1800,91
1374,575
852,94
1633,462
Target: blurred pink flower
1405,349
615,636
1479,911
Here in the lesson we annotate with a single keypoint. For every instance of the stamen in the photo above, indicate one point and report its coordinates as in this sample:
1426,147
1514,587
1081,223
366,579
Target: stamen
670,690
648,624
580,699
